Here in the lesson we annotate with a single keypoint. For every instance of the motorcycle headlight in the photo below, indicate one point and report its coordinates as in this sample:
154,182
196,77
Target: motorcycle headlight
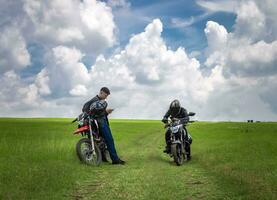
81,122
174,129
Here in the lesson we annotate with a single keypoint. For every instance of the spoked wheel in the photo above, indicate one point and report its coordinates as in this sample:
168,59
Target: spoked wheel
85,153
178,157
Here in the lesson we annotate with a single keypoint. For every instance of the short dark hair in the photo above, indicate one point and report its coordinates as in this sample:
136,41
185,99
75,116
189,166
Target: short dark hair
106,90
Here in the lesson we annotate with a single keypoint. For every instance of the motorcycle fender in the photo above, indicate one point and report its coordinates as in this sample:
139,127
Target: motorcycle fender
81,129
177,142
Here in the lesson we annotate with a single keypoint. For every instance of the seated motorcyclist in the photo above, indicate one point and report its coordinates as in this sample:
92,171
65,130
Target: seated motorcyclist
97,107
176,111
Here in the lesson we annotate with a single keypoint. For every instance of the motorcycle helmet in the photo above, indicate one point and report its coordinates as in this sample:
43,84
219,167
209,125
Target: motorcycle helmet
175,107
98,106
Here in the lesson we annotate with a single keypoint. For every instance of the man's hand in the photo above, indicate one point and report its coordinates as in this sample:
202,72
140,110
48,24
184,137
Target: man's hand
109,110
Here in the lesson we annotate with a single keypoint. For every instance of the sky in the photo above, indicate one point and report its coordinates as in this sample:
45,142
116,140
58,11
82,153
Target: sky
218,57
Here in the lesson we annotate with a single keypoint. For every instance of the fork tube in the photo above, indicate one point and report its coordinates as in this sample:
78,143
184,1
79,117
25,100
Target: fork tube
183,140
97,127
91,138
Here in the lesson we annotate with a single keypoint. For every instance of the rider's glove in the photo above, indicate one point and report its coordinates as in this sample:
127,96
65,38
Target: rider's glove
164,120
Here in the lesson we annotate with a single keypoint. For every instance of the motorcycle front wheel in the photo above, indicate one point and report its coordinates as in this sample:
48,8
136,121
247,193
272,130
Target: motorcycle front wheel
176,150
85,153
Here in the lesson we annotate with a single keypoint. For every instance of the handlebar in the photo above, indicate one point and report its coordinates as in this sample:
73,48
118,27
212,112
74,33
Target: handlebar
176,119
74,120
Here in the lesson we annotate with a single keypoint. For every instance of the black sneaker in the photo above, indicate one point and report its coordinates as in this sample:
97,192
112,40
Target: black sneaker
118,162
188,157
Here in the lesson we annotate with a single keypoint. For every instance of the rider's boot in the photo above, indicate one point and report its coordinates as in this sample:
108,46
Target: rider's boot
188,152
167,149
104,159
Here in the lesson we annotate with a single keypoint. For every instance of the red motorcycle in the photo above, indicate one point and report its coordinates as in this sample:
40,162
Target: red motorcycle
91,149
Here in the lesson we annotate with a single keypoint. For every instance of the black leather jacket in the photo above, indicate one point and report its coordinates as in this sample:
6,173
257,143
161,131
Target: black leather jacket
98,111
180,114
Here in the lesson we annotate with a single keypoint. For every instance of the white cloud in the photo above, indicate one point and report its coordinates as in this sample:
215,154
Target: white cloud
183,23
238,55
219,5
13,51
250,21
42,82
235,101
15,94
217,36
145,76
245,64
18,98
66,31
268,7
258,59
79,90
267,92
256,20
118,3
63,72
85,24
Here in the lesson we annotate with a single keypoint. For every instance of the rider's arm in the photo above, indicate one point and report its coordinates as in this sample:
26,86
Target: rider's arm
184,116
165,118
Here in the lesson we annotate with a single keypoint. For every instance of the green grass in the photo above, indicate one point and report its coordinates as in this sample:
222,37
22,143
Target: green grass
230,161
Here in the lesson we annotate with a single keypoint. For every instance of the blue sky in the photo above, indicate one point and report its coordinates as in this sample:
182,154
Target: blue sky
191,37
218,57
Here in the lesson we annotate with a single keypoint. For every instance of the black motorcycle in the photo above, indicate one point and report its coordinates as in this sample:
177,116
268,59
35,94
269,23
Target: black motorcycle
179,138
91,149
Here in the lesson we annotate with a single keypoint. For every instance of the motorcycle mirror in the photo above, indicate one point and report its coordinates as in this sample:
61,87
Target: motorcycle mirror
191,113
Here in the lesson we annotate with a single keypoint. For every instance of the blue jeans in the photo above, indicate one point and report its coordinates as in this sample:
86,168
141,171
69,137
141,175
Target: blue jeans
106,133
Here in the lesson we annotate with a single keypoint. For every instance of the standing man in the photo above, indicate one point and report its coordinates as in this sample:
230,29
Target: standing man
98,107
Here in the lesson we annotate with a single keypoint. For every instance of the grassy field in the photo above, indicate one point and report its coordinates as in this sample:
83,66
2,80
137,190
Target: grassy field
229,161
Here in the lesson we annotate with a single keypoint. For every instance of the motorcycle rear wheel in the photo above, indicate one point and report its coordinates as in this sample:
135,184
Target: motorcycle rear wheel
85,154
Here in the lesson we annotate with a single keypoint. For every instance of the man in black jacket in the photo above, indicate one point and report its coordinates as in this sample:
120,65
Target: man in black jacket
176,111
97,106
